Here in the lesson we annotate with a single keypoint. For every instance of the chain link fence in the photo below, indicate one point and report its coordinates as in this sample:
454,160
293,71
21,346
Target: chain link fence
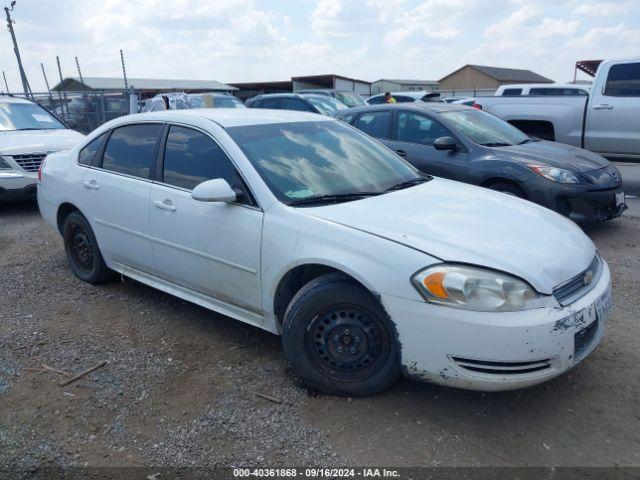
84,111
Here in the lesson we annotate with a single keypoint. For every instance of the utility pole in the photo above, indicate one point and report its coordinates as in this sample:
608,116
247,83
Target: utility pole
46,82
64,93
23,75
80,74
124,71
5,82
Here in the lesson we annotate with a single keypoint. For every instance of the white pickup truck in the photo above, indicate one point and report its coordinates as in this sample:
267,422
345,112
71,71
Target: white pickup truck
606,121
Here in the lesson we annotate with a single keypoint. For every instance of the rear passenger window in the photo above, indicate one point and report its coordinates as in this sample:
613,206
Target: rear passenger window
296,104
623,80
88,153
403,98
375,124
511,92
191,157
131,149
275,103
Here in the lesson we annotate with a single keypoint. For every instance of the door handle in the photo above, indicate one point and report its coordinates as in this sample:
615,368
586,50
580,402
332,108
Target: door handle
91,185
402,153
166,205
604,106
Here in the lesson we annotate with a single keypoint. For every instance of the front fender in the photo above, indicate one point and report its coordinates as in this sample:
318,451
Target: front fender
291,238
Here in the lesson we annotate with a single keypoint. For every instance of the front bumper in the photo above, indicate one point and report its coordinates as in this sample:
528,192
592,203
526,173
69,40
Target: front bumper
17,186
498,351
581,203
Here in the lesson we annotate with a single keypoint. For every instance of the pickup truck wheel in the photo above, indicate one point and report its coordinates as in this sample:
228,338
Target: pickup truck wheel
509,189
339,339
82,250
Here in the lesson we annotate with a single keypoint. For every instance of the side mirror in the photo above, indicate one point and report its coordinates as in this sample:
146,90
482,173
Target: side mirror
445,143
71,123
216,190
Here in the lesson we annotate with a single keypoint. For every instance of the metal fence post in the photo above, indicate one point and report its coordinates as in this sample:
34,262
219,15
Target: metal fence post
133,100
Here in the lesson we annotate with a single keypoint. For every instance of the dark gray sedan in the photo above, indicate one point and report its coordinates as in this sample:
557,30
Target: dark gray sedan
472,146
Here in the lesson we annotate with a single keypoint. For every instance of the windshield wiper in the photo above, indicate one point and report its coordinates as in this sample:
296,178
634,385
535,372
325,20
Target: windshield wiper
496,144
409,183
529,140
332,198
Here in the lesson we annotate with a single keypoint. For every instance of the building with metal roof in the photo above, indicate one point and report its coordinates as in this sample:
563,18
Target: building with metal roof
483,77
402,85
144,85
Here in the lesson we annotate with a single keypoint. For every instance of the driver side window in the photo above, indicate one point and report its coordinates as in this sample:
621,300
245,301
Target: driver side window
191,157
416,128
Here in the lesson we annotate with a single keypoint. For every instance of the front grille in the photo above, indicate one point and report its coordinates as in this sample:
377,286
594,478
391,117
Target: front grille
29,161
579,285
502,368
583,340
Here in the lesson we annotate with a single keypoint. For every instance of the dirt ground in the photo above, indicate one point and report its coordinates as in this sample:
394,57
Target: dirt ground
182,385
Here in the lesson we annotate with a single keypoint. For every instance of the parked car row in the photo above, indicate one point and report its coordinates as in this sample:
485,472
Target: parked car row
304,226
344,232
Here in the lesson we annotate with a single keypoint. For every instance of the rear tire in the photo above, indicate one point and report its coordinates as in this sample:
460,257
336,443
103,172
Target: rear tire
339,339
82,250
509,189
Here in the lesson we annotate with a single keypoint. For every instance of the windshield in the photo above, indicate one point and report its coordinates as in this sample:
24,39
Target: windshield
309,159
350,99
326,105
26,116
484,128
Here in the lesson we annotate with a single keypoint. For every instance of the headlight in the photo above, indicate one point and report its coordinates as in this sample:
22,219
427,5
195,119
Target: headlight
473,288
559,175
4,165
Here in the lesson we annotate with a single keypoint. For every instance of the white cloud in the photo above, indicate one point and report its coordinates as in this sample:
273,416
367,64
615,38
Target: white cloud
247,40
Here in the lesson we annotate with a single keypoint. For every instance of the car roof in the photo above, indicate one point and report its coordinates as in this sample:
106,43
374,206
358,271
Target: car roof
226,117
433,107
10,99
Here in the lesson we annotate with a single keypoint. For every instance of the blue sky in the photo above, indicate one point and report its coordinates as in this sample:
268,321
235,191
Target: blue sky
257,40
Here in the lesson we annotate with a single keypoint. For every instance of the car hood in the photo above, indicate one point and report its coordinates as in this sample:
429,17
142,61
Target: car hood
554,155
457,222
37,141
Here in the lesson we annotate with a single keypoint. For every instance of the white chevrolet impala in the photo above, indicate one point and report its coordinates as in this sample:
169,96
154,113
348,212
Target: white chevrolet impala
306,227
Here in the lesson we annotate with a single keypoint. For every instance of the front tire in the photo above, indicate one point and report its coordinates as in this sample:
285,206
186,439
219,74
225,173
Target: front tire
82,250
339,339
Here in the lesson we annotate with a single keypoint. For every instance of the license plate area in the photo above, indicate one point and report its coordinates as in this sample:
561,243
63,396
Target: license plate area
586,338
620,198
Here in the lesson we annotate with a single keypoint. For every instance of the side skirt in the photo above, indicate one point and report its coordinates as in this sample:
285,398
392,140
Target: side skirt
219,306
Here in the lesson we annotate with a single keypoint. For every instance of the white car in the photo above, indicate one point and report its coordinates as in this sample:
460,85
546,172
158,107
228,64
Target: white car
403,97
304,226
27,134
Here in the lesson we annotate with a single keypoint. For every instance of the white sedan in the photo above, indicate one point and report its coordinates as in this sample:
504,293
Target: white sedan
304,226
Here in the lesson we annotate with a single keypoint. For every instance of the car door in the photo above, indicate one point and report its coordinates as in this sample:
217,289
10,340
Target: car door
613,119
413,136
212,248
116,194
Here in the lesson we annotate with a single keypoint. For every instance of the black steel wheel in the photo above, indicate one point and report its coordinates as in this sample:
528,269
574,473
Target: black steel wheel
347,342
339,339
82,250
